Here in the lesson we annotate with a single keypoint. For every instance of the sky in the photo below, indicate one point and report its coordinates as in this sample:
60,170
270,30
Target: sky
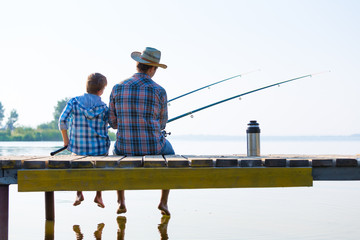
48,48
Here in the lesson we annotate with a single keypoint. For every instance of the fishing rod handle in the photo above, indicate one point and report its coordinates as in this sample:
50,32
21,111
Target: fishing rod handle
59,150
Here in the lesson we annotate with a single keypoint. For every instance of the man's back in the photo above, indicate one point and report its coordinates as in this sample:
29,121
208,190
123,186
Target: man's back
138,109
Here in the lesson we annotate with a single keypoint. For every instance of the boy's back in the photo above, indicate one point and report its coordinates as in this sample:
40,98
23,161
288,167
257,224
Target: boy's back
87,118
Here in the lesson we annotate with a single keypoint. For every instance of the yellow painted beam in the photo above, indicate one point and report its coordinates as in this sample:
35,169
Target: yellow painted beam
160,178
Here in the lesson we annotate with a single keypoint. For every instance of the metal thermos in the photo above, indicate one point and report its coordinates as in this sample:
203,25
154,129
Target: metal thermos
253,139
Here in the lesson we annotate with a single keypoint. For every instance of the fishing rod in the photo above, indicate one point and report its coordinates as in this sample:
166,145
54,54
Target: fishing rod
242,94
57,151
227,79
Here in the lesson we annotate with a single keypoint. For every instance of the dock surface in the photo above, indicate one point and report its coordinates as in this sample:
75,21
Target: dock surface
67,172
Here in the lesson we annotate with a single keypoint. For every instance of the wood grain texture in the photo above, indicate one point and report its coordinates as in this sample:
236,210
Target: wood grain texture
151,161
176,161
161,178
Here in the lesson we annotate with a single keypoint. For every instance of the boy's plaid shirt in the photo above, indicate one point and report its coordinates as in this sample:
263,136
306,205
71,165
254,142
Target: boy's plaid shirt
87,128
138,110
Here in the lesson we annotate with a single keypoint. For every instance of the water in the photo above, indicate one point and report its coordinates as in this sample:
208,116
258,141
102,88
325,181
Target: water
328,210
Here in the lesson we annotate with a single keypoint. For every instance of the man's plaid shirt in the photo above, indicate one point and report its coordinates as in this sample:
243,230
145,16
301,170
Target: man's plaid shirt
138,110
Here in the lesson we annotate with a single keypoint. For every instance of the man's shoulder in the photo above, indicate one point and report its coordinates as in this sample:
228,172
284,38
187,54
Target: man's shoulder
158,87
122,83
137,82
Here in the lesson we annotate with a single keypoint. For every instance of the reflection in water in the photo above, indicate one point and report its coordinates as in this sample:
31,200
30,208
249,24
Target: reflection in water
49,230
98,232
79,235
121,221
163,227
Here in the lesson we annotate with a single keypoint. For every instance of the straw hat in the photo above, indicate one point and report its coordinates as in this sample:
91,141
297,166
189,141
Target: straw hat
150,56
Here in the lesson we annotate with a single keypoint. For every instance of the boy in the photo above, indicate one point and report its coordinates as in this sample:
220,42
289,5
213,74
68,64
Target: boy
86,117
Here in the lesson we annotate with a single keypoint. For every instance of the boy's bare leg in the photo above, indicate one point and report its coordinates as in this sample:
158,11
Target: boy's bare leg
163,207
98,199
79,198
121,202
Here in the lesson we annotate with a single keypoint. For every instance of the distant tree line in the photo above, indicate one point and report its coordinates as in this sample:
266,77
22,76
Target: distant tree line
44,132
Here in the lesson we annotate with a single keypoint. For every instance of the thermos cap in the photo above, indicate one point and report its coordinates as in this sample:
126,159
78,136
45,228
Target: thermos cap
253,127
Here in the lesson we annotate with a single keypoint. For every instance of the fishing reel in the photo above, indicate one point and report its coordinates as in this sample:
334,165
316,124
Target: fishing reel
165,133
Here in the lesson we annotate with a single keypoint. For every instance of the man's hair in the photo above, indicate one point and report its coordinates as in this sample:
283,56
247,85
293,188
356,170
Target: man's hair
95,83
143,68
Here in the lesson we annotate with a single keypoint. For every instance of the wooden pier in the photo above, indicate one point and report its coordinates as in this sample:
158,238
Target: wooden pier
73,173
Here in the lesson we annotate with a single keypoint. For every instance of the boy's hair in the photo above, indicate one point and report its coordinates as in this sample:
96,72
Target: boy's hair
95,83
143,68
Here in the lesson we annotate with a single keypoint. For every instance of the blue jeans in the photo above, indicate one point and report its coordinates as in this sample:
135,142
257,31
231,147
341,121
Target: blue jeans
166,150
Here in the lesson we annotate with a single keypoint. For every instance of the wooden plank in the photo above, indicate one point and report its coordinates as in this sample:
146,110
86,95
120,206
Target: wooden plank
275,162
201,161
176,161
105,161
226,162
35,163
299,162
151,161
62,161
83,163
14,162
250,162
131,162
322,163
208,156
346,162
160,178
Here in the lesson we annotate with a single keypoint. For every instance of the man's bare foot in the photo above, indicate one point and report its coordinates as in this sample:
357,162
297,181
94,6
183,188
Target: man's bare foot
79,198
99,202
164,209
121,209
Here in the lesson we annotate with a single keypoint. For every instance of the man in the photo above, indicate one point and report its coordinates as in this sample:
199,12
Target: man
138,110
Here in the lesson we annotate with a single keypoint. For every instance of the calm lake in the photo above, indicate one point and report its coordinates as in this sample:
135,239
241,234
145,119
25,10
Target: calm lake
328,210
